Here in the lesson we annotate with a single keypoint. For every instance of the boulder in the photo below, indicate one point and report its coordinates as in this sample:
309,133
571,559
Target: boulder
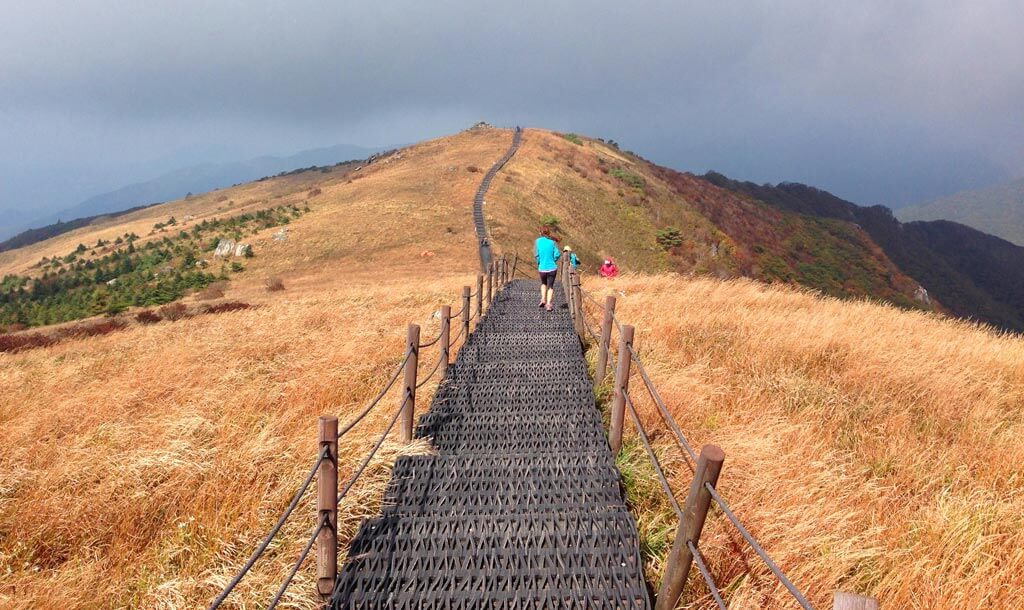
921,295
224,248
243,249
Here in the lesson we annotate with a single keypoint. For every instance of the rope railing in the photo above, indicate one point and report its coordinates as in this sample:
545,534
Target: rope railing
380,395
710,580
262,548
662,408
324,522
328,495
432,341
437,367
760,552
705,465
369,456
654,458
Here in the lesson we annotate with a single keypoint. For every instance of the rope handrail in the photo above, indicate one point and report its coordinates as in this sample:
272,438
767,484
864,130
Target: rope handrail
366,461
437,366
456,314
271,535
662,408
654,458
298,563
462,331
615,319
712,586
391,382
722,504
432,341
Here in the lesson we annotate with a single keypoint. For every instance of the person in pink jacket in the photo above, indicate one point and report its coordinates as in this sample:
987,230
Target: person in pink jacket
609,269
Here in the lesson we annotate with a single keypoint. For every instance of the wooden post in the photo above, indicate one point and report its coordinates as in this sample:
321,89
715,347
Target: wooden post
490,285
852,601
465,313
446,338
621,387
695,512
606,338
515,263
327,508
504,270
409,393
479,295
577,298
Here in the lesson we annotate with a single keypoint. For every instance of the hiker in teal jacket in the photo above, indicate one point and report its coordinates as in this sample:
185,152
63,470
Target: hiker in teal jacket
545,250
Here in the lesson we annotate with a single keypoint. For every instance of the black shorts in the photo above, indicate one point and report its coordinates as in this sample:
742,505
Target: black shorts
547,278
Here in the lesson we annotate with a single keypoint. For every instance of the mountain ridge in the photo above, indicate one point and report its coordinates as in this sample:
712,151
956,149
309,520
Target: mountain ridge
997,210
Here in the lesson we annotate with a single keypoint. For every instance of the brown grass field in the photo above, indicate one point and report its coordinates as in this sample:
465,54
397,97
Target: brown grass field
868,448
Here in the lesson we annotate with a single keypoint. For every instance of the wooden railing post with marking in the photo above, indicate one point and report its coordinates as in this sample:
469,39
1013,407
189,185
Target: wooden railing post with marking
606,338
327,507
465,312
577,299
479,295
621,387
695,512
852,601
446,338
490,285
409,391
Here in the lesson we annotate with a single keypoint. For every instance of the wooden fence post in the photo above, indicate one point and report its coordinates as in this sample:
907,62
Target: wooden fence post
490,285
695,511
327,508
565,278
606,338
446,338
852,601
465,312
621,387
577,298
479,295
409,393
515,263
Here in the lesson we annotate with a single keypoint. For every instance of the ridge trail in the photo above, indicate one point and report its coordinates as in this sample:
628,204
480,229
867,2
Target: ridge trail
478,200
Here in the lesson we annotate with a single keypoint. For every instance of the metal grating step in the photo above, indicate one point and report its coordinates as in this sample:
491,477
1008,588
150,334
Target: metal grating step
529,560
459,485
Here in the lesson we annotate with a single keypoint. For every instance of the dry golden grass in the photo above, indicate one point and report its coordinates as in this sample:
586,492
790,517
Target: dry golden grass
868,448
140,469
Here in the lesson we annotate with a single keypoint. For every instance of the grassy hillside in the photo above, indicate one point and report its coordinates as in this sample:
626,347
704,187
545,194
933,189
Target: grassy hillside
869,447
997,210
973,274
612,203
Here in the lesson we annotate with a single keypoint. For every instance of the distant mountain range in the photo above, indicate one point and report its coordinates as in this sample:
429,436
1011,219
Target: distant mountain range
973,274
998,210
178,183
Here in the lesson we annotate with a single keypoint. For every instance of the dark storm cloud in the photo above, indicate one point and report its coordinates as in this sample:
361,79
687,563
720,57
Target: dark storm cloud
882,101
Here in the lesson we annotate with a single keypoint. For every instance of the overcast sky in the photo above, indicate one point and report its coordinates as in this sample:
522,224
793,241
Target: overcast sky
880,101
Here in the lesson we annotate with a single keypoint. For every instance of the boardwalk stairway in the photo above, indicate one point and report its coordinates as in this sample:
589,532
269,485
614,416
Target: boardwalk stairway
522,506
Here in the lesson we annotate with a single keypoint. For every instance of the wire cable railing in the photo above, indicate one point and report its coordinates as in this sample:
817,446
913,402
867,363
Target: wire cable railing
662,479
